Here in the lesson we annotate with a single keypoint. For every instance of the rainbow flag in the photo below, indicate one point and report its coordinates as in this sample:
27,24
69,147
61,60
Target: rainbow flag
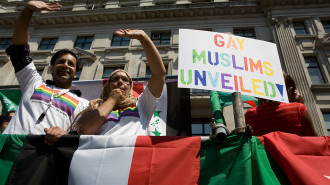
63,102
118,114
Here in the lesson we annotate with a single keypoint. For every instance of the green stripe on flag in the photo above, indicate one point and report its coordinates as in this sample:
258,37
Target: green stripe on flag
240,160
220,100
10,148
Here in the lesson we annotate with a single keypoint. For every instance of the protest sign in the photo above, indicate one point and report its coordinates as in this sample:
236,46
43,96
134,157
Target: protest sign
228,63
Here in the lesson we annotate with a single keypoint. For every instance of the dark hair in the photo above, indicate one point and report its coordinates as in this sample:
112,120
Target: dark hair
62,52
289,82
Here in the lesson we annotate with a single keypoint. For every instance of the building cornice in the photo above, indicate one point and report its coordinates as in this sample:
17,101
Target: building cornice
138,13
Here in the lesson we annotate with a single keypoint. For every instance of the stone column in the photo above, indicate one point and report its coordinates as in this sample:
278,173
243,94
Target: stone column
292,62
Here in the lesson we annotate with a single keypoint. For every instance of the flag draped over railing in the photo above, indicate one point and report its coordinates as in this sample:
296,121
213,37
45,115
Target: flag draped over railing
272,159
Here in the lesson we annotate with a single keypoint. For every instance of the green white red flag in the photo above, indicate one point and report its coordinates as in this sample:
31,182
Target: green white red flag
273,159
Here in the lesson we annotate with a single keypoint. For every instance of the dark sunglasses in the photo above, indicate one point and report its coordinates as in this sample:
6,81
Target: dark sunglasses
7,118
116,78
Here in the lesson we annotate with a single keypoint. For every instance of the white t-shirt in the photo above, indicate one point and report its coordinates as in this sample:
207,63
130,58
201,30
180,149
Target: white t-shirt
36,95
132,121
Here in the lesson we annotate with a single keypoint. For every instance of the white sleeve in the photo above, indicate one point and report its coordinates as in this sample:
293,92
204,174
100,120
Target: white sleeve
28,77
146,105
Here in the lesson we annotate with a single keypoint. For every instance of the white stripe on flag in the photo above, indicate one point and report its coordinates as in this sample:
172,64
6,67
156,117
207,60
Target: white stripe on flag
157,124
110,153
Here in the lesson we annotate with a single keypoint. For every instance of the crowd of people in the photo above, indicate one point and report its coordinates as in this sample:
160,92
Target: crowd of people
53,108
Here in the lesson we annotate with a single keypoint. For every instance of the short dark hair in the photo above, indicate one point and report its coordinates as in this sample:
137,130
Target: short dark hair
62,52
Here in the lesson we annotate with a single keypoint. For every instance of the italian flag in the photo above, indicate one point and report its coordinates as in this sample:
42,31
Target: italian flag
272,159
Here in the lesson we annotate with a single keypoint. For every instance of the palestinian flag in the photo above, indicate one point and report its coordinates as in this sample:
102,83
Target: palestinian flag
220,100
173,107
273,159
103,160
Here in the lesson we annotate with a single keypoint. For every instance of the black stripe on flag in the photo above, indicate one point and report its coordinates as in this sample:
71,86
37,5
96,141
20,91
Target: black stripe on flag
178,120
39,163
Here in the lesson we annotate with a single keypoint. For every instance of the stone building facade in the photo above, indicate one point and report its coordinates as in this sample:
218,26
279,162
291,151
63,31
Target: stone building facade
300,28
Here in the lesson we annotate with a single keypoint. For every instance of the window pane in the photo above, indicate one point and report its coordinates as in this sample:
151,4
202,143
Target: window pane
207,129
115,44
248,35
116,38
161,38
156,42
120,41
84,42
326,117
311,63
47,44
300,28
45,41
53,41
5,43
80,40
200,92
78,45
126,39
148,71
40,71
247,32
89,39
315,75
125,43
87,46
326,26
197,128
107,72
166,36
43,47
314,70
165,42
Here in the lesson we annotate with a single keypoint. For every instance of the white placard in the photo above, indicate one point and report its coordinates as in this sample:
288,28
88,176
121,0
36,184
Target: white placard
222,62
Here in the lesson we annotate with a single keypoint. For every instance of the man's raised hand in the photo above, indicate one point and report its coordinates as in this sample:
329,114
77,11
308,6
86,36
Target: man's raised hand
38,6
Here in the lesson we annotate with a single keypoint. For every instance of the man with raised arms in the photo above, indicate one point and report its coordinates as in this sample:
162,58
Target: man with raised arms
46,107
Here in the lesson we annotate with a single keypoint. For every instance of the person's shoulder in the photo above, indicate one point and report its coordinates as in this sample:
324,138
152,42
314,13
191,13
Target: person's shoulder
83,101
293,104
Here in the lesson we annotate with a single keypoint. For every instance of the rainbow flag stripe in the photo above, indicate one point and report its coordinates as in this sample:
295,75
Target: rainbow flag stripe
116,115
64,102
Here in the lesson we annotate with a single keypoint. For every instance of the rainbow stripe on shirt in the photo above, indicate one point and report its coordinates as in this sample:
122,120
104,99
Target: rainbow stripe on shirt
64,102
116,115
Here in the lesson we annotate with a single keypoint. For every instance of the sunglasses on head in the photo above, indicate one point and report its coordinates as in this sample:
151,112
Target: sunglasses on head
116,78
